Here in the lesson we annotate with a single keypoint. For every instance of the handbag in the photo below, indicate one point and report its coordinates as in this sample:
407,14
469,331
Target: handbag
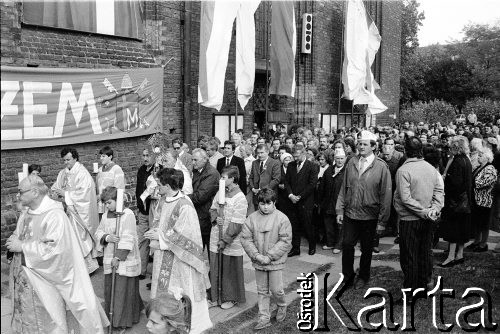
461,205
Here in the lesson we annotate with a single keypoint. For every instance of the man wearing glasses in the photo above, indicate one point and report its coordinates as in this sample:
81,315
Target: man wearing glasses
48,268
184,157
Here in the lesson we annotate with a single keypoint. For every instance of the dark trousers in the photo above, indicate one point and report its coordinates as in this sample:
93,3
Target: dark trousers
354,230
300,218
415,242
333,231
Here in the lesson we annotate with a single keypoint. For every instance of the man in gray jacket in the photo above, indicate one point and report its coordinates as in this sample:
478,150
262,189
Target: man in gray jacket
418,199
363,206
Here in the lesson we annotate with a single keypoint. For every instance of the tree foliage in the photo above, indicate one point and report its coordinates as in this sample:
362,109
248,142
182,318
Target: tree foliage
411,20
454,73
429,112
486,110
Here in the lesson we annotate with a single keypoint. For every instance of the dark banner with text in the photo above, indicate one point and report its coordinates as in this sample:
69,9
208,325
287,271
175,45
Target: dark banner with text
54,106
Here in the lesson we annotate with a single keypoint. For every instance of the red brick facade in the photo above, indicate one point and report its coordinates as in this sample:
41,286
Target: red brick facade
317,76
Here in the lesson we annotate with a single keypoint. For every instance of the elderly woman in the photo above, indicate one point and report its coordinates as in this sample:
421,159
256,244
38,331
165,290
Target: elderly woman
169,161
231,221
282,193
484,177
246,152
457,208
169,314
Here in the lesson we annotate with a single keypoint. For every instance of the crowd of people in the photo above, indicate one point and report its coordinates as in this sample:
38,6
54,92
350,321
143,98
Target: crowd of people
416,182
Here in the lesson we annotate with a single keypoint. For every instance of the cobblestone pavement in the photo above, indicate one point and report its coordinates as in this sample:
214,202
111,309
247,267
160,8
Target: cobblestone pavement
294,267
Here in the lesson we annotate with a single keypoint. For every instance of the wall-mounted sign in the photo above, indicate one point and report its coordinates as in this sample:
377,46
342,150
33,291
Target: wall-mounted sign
54,106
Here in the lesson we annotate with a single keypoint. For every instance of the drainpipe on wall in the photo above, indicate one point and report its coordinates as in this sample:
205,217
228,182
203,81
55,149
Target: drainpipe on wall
186,66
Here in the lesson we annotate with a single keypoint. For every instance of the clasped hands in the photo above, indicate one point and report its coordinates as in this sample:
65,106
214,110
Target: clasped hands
152,234
433,215
294,198
262,259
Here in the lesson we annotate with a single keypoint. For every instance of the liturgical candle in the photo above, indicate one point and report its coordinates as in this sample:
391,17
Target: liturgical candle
96,167
222,191
25,169
119,200
21,176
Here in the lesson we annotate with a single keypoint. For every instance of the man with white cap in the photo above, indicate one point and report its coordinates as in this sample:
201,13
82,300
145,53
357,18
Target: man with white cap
328,191
363,206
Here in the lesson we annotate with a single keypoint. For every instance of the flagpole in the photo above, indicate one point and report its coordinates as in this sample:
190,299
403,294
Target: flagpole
269,8
341,61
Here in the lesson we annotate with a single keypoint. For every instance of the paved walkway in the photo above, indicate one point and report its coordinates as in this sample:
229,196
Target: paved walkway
295,266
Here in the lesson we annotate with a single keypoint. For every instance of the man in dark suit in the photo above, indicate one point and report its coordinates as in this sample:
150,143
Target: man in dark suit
300,181
205,186
275,154
230,159
265,173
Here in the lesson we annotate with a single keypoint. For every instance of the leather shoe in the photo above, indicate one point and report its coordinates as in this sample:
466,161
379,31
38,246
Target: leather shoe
348,283
281,313
480,249
293,252
360,283
448,265
312,251
262,324
459,261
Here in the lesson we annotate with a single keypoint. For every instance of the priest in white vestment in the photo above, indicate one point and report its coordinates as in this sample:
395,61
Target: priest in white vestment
178,257
48,273
77,188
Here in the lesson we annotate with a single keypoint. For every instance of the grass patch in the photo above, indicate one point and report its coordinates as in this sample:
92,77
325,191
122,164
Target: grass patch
480,270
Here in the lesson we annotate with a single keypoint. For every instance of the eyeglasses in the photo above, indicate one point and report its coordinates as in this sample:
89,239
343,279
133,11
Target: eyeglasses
21,192
177,148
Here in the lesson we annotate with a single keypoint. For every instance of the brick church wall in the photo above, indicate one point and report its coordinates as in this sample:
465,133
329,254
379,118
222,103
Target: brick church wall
317,78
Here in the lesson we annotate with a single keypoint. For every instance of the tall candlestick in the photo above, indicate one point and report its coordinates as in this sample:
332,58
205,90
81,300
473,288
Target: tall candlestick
96,167
119,200
21,176
222,191
25,169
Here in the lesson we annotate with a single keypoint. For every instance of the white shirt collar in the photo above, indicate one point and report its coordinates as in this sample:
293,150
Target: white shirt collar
174,198
369,160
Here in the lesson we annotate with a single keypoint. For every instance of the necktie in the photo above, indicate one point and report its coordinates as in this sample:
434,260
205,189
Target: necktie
299,167
227,161
261,168
362,165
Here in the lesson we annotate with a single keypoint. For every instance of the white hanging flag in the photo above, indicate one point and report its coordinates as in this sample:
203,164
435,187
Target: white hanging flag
216,25
245,50
217,18
362,41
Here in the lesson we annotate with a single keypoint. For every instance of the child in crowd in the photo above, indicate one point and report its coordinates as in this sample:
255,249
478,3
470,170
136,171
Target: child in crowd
169,313
128,303
267,239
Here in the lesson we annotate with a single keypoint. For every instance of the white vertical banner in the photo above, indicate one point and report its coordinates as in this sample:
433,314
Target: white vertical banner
105,17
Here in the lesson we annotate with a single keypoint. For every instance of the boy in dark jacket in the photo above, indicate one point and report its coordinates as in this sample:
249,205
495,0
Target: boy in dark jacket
267,239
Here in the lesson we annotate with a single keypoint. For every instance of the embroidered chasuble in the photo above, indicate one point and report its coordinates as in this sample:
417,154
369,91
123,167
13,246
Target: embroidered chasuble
179,262
50,276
